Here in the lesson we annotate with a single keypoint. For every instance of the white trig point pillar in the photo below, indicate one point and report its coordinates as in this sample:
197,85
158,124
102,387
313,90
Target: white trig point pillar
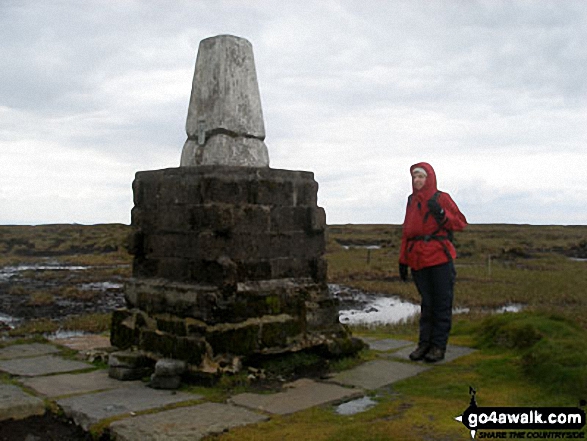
225,120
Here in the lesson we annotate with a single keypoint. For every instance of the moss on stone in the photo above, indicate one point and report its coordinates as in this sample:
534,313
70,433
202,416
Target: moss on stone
236,339
170,324
278,333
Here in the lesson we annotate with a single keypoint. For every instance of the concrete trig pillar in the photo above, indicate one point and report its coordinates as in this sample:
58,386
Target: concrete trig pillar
225,120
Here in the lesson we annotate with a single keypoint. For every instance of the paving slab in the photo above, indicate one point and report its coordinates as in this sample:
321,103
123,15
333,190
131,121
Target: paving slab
299,395
377,373
387,344
184,424
452,353
44,365
87,410
16,404
71,384
27,350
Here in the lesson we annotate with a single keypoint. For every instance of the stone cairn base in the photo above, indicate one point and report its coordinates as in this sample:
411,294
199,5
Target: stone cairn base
228,263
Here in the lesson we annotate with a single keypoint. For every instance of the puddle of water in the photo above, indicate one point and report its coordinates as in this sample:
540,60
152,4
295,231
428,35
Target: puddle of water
511,307
381,310
374,309
7,321
365,247
8,272
578,259
60,334
355,406
101,286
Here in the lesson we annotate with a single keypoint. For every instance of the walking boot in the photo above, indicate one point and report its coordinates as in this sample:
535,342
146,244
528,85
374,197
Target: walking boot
420,352
434,354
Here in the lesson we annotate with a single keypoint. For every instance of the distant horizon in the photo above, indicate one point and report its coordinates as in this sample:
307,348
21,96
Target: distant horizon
327,224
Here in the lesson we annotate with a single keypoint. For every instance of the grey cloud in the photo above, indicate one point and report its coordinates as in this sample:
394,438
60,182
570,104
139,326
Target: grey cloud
364,81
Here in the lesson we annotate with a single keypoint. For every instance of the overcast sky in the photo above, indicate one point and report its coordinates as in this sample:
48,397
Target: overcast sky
491,93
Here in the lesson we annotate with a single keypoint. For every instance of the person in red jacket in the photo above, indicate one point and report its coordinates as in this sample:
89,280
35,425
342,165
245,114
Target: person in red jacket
426,248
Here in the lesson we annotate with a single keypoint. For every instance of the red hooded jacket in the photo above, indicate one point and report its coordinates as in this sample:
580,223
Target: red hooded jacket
418,253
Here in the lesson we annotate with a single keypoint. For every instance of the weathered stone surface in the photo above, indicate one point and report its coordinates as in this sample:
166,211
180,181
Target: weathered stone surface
69,384
87,410
199,190
166,299
225,120
129,359
186,321
124,331
299,395
167,367
191,349
27,350
122,373
223,149
44,365
378,373
16,404
184,424
168,382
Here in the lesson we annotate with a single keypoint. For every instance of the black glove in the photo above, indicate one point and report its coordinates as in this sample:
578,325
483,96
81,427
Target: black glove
436,211
403,272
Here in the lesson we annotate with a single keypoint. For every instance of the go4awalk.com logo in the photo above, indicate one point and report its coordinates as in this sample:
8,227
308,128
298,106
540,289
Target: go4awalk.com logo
523,422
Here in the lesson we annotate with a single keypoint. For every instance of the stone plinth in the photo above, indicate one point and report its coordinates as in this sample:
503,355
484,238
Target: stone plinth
222,225
227,260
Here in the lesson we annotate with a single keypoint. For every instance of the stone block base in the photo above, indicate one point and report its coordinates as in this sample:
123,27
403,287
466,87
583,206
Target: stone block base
228,263
193,323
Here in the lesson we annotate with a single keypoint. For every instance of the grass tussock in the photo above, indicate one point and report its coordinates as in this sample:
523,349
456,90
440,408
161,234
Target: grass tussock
90,323
552,350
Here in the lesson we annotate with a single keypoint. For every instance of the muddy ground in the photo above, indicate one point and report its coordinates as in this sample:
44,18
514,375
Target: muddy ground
46,428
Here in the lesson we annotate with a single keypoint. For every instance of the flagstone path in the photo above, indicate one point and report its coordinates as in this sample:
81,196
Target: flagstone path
38,372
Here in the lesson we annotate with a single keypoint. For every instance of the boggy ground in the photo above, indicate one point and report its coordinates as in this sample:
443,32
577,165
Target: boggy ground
53,289
53,274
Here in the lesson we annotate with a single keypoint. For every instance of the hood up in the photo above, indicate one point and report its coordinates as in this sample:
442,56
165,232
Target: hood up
429,187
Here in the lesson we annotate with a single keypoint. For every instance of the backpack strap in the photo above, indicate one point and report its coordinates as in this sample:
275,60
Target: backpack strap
433,198
435,235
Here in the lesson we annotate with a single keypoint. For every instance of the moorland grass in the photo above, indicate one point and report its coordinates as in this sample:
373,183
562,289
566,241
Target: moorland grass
534,358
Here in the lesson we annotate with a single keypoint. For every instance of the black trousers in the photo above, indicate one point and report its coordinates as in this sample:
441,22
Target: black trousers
436,287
